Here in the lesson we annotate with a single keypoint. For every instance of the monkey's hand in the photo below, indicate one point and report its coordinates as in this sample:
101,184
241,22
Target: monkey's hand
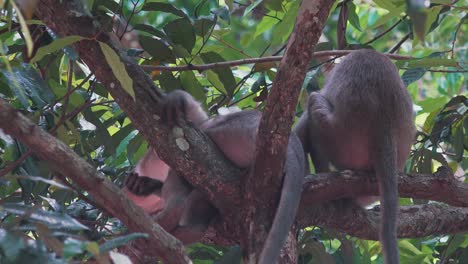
174,107
320,108
142,185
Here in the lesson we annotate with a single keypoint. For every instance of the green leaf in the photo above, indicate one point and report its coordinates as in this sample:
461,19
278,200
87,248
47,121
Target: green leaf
24,29
432,104
215,81
224,73
10,244
93,247
203,26
265,25
73,247
168,82
157,49
26,83
120,241
118,68
192,85
124,143
38,179
458,138
151,30
223,13
51,219
428,62
54,46
413,75
285,27
388,5
181,31
136,149
163,7
352,16
252,6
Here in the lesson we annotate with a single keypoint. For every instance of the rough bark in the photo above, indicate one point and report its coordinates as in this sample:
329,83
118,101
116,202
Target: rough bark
263,185
440,186
413,221
67,162
208,169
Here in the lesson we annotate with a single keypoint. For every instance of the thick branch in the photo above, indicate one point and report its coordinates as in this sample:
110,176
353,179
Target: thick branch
440,186
264,183
413,221
106,194
208,169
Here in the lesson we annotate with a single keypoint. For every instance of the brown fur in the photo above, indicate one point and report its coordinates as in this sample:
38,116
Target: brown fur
186,213
363,120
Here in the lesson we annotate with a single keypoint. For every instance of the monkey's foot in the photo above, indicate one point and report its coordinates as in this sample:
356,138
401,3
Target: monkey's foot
142,185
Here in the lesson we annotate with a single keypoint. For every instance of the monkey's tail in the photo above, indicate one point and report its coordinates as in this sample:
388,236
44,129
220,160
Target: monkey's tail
385,168
288,204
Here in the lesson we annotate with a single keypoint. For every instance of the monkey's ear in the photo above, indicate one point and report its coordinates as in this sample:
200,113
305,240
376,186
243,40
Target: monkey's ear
142,185
174,108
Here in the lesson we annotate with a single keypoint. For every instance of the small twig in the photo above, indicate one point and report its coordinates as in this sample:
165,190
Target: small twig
129,19
15,164
455,37
447,71
230,46
398,45
203,67
69,88
386,31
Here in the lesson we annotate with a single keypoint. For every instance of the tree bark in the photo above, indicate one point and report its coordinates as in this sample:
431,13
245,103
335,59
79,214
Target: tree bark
62,159
441,186
263,184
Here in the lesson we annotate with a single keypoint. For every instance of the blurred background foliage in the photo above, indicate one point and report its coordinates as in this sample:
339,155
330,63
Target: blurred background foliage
47,219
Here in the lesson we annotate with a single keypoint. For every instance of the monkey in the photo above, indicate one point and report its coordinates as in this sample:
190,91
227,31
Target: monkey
162,193
235,135
363,120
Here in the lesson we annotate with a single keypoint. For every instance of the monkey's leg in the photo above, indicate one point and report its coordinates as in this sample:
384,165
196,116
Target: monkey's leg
195,219
142,185
178,106
320,123
175,194
321,111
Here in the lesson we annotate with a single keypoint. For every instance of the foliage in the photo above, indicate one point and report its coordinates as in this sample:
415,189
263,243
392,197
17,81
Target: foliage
46,219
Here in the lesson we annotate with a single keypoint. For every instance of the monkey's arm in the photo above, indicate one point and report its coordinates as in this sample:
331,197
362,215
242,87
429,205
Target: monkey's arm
195,219
316,119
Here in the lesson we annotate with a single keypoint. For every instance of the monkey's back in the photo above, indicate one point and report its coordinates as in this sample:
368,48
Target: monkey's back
366,91
235,134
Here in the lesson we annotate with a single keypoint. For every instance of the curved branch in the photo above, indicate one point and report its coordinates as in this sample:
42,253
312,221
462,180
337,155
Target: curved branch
208,66
275,125
440,186
208,168
413,221
67,162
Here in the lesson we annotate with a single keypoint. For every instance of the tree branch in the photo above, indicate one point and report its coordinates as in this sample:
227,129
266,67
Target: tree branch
440,186
413,221
67,162
208,66
275,125
209,170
